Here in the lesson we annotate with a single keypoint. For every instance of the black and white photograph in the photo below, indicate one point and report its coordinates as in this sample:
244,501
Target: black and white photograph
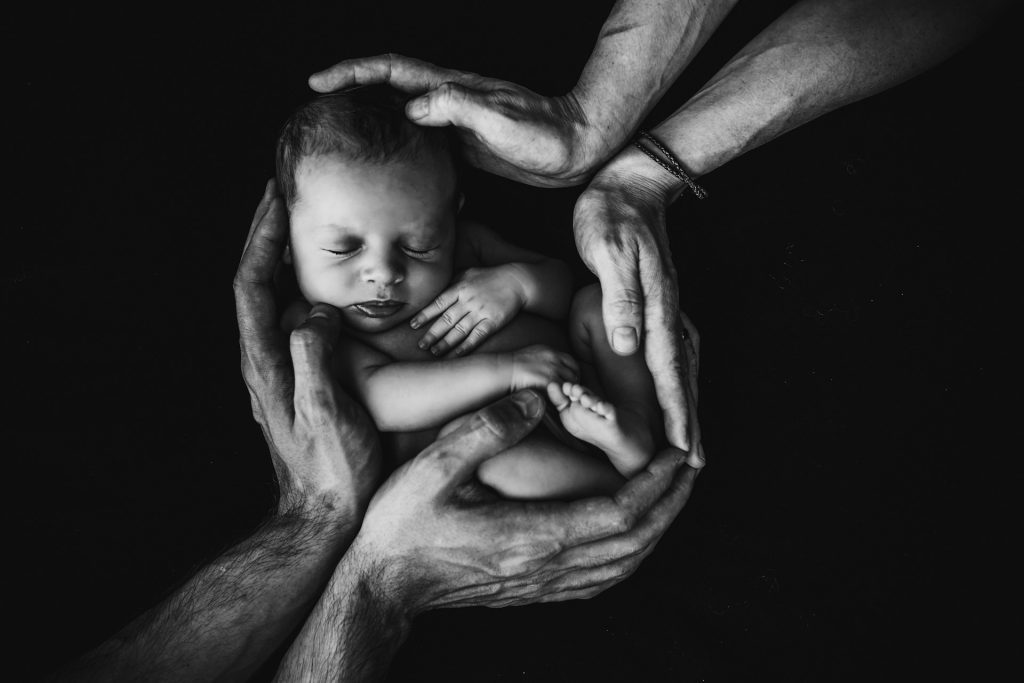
620,340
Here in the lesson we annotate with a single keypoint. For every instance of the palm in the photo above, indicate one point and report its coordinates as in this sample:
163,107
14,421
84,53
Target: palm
505,129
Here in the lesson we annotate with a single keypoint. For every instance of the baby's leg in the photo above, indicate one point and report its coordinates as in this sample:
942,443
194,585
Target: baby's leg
542,468
627,427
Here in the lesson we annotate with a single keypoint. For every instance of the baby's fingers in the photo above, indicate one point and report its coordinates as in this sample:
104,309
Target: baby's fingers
459,331
442,326
435,308
475,338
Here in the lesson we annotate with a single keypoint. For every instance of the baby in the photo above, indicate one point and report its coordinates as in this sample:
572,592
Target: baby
373,202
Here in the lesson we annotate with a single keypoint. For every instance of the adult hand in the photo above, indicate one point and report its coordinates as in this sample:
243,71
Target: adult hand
505,128
424,545
619,225
323,445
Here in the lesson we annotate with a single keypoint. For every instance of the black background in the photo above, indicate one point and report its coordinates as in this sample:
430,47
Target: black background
846,279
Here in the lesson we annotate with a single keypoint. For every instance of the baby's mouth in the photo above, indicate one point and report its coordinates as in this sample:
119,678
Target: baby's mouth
378,308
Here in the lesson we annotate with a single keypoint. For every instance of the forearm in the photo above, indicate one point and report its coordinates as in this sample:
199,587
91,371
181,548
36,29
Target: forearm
353,631
224,622
547,287
642,48
407,396
818,56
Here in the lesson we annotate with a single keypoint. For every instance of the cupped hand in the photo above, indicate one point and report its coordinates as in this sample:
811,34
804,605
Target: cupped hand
324,447
619,226
505,128
425,543
477,304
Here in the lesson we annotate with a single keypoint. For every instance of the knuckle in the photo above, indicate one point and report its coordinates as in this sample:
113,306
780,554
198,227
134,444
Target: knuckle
627,302
302,339
449,90
621,521
496,420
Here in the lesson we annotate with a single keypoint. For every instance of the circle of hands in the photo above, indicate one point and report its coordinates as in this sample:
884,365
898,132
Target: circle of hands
435,537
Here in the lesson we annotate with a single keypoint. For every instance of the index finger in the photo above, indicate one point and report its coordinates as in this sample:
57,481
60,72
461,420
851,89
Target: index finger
404,73
254,284
673,483
664,354
566,525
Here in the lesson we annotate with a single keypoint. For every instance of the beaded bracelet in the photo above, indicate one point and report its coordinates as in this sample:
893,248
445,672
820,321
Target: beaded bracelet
672,165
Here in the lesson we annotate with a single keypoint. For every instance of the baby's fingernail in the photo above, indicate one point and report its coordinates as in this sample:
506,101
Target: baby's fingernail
529,404
422,344
624,339
414,324
418,108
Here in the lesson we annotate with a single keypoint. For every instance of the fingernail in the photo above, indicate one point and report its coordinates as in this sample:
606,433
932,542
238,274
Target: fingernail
414,324
529,404
624,339
422,344
418,108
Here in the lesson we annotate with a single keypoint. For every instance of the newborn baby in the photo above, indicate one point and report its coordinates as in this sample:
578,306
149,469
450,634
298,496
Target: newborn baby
373,202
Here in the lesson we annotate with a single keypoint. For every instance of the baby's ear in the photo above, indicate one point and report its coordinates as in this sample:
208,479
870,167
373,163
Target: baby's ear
287,255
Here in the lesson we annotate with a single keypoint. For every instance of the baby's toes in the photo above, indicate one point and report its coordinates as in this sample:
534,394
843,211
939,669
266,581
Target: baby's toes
575,391
604,409
588,400
558,395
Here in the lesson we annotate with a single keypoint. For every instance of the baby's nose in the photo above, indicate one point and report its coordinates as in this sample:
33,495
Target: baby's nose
385,270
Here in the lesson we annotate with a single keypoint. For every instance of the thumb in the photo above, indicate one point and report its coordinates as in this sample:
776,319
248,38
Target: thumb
451,104
311,346
622,305
450,461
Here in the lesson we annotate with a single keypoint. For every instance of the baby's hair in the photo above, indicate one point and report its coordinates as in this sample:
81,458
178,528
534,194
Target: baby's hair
366,123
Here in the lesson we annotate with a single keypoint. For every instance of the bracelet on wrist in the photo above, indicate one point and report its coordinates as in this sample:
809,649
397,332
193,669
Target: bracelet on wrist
667,161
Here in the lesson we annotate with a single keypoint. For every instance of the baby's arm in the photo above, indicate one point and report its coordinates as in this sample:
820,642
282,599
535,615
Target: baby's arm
499,281
404,396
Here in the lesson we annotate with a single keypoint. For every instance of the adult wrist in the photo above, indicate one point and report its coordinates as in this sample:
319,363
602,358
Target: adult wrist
327,512
595,137
383,585
633,169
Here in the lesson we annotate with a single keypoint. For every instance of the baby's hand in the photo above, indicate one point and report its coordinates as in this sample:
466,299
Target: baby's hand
480,302
536,366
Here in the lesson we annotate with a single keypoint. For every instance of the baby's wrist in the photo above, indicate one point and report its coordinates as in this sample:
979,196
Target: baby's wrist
521,282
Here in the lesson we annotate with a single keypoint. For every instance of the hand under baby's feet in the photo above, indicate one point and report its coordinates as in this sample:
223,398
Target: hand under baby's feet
622,434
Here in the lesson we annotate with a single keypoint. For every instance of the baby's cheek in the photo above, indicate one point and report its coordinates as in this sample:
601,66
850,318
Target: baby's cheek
426,281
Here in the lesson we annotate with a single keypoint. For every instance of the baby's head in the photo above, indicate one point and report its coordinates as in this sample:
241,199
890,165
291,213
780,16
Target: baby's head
372,200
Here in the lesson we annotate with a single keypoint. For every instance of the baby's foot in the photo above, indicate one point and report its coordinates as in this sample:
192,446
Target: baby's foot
623,435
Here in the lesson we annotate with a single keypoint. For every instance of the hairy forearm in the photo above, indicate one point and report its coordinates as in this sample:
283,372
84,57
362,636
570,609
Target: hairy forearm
642,48
818,56
224,622
407,396
353,631
547,287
